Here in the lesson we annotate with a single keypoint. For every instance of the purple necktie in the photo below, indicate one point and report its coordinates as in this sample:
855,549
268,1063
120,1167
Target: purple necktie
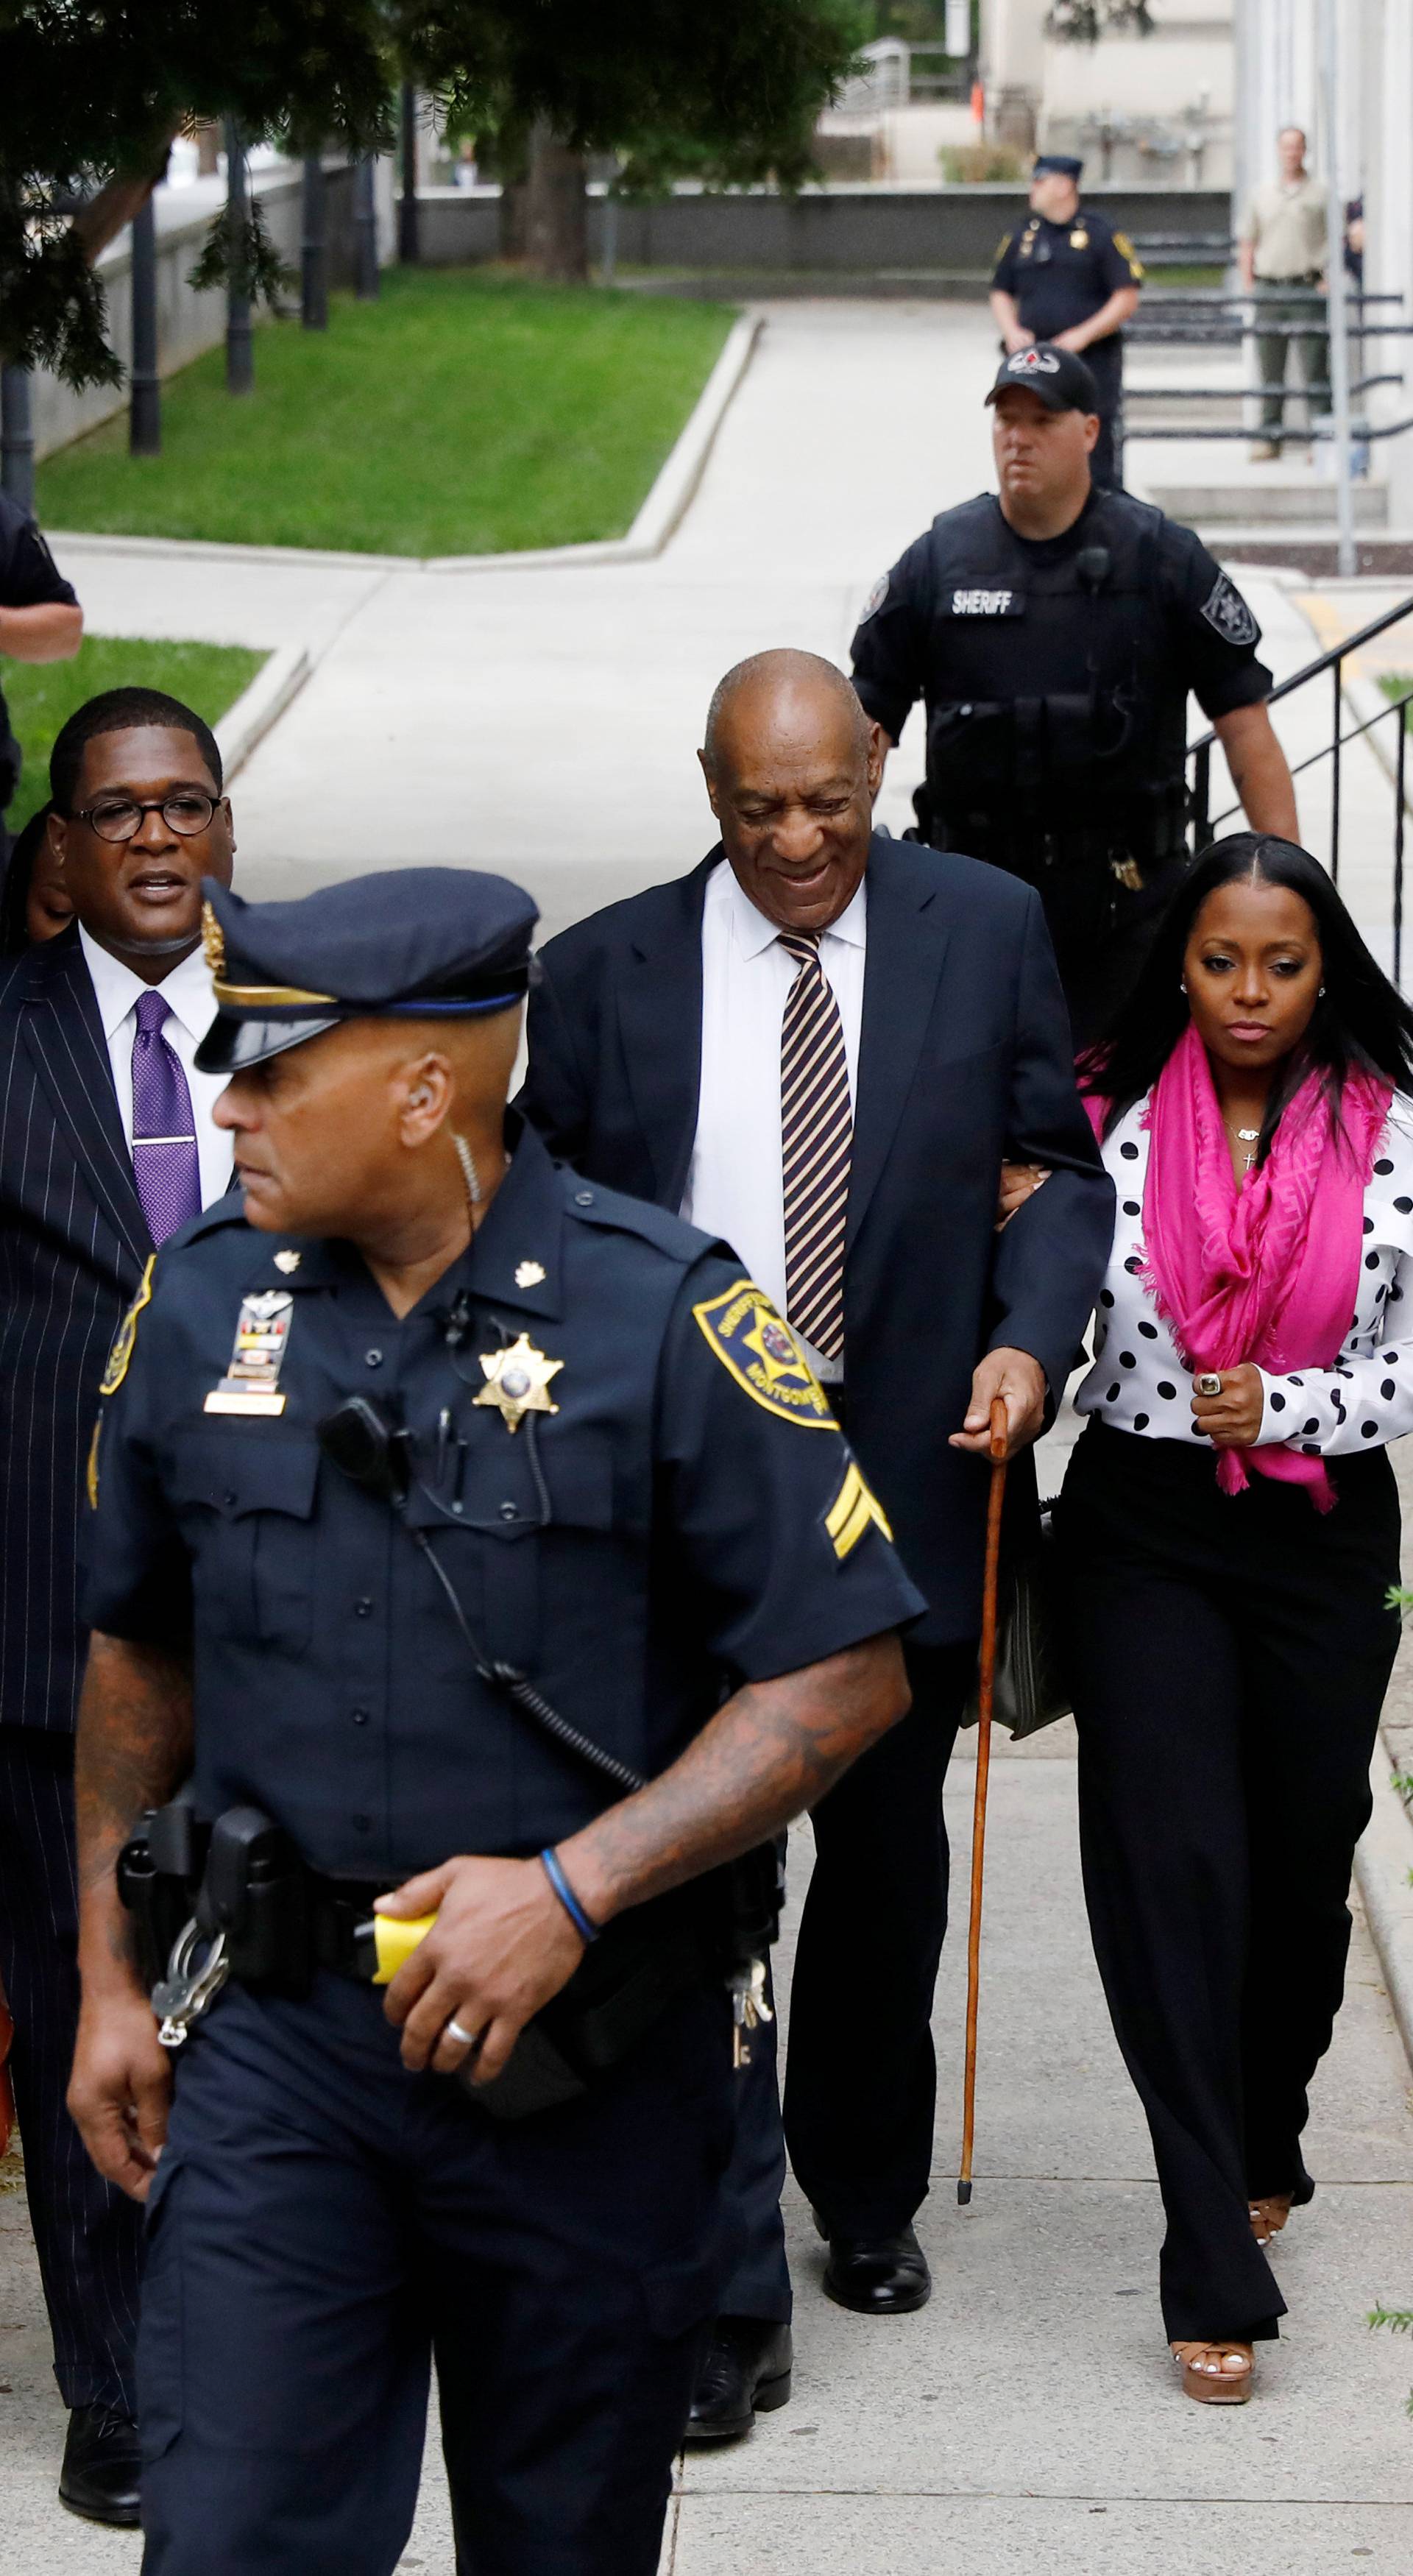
165,1160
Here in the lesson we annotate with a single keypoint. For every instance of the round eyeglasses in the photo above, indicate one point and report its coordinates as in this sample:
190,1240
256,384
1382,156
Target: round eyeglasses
117,818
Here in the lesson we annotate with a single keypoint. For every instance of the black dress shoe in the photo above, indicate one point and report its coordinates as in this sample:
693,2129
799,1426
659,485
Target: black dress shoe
746,2371
877,2276
100,2475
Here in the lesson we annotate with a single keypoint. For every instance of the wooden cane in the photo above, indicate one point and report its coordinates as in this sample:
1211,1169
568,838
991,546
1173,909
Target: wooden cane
987,1681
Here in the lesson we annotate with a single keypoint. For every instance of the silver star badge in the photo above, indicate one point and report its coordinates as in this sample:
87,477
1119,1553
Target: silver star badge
529,1274
288,1261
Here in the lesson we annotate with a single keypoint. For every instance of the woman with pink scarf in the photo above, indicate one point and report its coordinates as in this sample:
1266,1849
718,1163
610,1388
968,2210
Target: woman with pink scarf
1229,1532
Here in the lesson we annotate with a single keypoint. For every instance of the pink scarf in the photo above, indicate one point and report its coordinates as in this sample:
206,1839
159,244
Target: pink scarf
1267,1272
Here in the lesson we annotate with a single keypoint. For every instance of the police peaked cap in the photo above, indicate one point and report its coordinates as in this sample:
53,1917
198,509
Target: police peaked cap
406,943
1063,164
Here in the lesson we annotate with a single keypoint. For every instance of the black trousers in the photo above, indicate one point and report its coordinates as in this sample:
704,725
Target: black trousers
1105,361
88,2235
1231,1655
861,2083
323,2223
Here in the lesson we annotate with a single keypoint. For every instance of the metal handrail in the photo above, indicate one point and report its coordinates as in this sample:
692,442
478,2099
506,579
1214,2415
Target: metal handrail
1204,824
1322,662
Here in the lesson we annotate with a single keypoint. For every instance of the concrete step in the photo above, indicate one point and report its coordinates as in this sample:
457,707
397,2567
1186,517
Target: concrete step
1267,503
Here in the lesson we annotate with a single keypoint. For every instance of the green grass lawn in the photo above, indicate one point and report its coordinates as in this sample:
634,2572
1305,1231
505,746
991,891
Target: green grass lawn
43,695
463,413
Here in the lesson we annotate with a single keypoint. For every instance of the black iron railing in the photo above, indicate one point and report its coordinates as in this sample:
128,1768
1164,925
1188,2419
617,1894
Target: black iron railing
1205,824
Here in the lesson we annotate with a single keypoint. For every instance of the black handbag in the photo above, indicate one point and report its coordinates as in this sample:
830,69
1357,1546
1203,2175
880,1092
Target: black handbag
1031,1688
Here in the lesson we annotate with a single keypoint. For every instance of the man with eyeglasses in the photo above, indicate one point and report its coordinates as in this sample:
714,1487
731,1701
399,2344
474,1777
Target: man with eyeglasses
107,1145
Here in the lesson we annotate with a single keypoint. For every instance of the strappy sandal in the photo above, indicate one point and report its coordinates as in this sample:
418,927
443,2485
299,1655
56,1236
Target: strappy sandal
1214,2386
1268,2216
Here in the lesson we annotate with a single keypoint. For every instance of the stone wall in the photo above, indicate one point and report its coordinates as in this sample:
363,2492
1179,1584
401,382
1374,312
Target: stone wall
842,230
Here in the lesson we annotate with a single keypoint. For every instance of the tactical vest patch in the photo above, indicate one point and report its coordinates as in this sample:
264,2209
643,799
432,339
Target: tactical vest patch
1227,613
744,1331
122,1350
973,601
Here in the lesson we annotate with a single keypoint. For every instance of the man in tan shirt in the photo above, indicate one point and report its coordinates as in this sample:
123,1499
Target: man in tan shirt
1282,257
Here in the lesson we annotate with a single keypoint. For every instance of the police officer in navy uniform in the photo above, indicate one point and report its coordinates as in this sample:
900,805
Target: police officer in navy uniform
1053,631
1067,277
481,1545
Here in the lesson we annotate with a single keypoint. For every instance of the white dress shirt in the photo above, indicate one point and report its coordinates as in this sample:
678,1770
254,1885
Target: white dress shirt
735,1186
1140,1382
192,1004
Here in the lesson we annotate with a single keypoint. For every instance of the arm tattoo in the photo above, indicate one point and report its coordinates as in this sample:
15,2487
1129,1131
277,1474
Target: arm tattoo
134,1745
766,1757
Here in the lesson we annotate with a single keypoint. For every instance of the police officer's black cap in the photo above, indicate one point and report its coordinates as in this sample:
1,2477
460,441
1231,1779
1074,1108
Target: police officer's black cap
406,943
1056,376
1064,165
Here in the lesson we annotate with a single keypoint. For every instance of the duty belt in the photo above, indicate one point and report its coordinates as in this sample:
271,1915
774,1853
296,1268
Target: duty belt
236,1900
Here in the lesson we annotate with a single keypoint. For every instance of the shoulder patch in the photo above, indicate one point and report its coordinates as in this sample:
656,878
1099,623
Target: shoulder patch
1227,614
123,1348
853,1510
875,599
745,1333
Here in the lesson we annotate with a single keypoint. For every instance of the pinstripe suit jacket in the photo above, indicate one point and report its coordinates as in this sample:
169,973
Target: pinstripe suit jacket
73,1242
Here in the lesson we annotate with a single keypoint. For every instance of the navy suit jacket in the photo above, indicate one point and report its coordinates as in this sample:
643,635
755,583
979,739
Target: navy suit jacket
73,1244
965,1057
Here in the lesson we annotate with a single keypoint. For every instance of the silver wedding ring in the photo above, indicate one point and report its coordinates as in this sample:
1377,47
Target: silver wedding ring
1208,1383
468,2038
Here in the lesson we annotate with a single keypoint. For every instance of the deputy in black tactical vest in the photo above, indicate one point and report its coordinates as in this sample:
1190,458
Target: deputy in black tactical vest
1053,634
480,1550
1065,276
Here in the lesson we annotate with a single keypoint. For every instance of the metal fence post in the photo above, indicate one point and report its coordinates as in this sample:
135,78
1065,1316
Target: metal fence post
1401,714
1336,765
1337,285
314,248
16,438
1201,797
144,387
408,229
365,228
240,354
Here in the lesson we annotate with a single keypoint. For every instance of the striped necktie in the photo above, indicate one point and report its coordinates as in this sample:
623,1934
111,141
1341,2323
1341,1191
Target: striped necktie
816,1142
166,1159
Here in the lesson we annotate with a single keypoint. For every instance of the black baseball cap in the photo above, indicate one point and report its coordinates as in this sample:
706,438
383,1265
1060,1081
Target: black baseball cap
1059,379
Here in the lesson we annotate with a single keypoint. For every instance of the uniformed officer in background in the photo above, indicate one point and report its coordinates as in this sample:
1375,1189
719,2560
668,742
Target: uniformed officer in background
40,621
481,1545
1053,634
1067,277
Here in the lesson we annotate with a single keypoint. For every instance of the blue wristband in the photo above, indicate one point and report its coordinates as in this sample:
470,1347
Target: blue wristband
583,1924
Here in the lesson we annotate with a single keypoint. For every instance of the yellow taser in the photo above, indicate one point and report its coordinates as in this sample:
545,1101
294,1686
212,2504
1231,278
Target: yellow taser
394,1939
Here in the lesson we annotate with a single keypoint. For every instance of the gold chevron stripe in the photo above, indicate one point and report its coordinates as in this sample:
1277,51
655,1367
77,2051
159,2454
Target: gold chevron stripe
851,1512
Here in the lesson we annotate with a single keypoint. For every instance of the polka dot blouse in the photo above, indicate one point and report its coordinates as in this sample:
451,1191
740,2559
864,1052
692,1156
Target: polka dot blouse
1138,1383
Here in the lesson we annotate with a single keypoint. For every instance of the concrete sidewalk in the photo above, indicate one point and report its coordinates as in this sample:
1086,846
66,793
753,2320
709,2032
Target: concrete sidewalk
1029,2419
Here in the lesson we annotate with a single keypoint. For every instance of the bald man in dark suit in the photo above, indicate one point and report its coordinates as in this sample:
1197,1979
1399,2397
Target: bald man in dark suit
820,1045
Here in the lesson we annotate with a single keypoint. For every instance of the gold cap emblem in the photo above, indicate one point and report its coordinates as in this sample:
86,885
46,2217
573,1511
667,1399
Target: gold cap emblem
213,942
